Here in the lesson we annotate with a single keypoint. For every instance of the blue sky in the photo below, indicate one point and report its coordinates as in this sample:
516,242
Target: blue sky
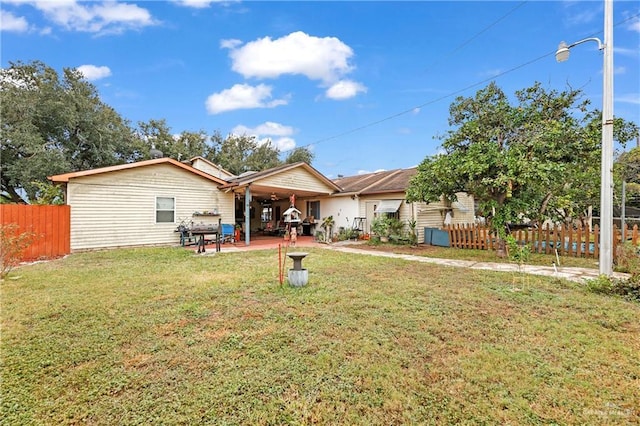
366,85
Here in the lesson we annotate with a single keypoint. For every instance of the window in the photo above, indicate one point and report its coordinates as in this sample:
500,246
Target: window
267,213
388,208
165,209
313,209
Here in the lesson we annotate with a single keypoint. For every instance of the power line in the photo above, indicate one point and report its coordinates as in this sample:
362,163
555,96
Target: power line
456,92
494,23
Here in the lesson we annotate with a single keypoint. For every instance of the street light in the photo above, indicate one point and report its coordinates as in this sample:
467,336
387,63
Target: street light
606,165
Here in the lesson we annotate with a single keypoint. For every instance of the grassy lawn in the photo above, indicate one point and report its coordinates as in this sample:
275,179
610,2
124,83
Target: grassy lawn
164,336
479,255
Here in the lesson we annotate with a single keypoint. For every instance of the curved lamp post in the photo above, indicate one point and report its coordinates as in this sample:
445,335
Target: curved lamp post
606,166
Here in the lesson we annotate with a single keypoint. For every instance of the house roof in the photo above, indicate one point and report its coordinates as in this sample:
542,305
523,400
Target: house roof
110,169
377,183
212,164
251,177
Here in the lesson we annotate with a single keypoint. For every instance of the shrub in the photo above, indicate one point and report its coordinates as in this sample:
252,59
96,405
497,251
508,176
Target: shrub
347,234
12,244
628,258
628,289
380,226
520,253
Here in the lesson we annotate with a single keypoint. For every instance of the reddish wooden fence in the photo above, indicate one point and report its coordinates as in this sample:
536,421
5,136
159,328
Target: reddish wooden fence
49,224
568,241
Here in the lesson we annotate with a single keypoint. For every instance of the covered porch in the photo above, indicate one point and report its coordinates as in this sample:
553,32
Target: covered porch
262,198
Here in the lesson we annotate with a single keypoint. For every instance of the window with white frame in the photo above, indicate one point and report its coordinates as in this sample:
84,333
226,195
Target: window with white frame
165,209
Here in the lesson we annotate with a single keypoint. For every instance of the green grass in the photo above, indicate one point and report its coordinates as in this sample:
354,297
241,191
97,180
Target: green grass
164,336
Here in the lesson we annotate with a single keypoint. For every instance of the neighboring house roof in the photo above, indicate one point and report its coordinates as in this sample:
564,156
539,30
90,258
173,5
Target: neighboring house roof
377,183
216,168
252,177
67,176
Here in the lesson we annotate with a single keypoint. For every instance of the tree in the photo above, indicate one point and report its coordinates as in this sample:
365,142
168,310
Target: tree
300,154
157,134
53,125
239,154
538,158
627,168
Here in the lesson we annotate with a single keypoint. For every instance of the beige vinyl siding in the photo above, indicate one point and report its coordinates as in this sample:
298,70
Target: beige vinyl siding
426,215
404,211
432,215
119,209
464,217
296,179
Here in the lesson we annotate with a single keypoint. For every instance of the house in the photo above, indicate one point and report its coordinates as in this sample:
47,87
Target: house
364,197
144,202
140,203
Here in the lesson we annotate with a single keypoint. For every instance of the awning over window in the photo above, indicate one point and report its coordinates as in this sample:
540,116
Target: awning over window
388,206
459,206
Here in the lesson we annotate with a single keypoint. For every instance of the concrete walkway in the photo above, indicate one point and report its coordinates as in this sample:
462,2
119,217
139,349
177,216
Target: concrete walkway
580,275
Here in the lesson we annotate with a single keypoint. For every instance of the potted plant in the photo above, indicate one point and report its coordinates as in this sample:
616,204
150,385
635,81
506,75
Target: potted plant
380,228
327,224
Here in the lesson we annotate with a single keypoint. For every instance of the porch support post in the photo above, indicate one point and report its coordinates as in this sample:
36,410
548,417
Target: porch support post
247,215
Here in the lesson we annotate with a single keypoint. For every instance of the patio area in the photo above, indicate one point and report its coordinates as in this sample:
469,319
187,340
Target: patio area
259,242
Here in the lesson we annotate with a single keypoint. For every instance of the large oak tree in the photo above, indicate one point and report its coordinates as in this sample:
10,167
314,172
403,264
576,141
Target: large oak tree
55,124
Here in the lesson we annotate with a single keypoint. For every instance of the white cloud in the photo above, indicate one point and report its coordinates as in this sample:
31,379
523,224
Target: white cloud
197,4
268,128
95,17
263,132
344,90
625,51
10,22
92,72
281,144
325,59
629,98
200,4
284,144
366,172
242,96
579,14
491,73
231,43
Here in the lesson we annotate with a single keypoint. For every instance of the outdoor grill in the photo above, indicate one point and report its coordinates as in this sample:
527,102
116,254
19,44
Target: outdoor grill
198,231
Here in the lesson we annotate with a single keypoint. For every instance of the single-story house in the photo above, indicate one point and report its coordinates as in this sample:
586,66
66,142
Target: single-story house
144,202
364,197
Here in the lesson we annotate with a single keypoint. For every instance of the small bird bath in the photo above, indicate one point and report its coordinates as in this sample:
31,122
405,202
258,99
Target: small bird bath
298,276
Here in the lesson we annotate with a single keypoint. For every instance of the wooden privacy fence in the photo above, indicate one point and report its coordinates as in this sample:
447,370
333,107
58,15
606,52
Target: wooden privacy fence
567,240
50,226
